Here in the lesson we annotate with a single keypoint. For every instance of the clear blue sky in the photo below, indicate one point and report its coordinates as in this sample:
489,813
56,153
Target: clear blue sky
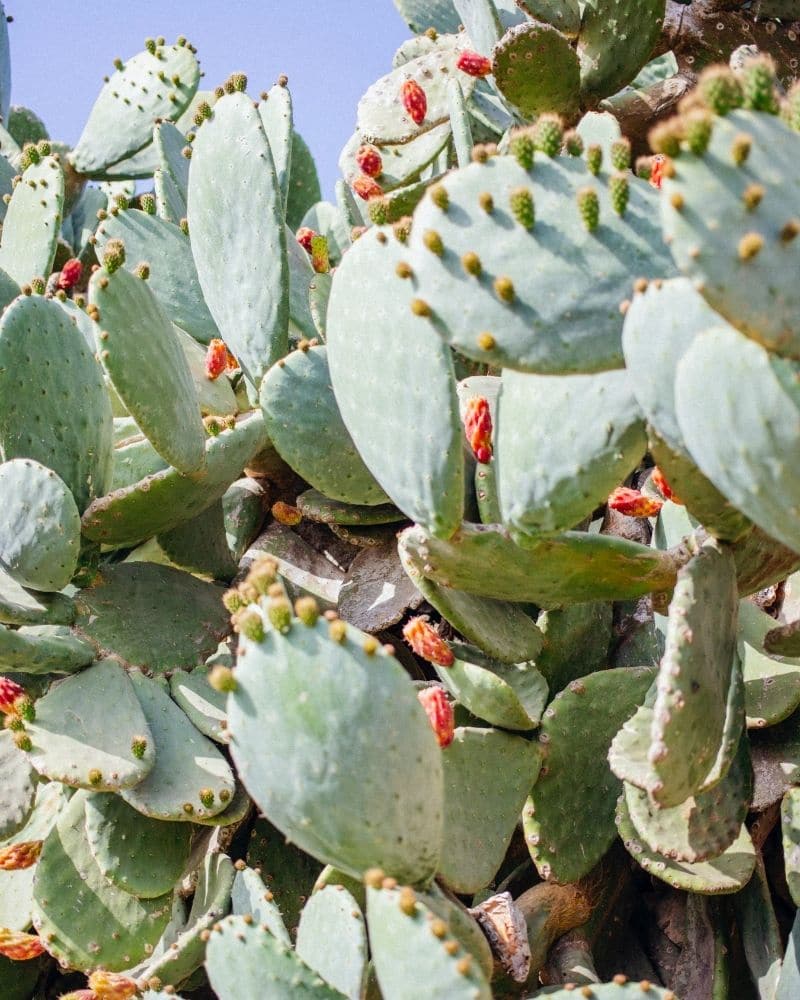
331,50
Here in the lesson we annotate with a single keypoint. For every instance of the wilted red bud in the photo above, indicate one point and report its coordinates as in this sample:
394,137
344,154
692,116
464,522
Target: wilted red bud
659,480
366,187
369,160
474,64
414,101
112,986
426,642
19,947
15,857
304,236
478,427
70,274
633,503
10,694
657,168
440,714
216,358
284,513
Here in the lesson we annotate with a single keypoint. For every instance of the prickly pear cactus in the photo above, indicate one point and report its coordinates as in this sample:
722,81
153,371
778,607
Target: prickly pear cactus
399,595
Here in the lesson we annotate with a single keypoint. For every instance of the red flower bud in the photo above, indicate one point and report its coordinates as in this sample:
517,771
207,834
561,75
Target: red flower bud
659,480
440,714
19,947
478,427
216,358
366,188
474,64
633,503
426,642
70,274
369,160
657,168
304,236
10,694
15,857
414,101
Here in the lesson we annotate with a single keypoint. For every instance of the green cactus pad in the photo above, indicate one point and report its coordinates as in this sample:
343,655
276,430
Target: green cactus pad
241,953
143,856
587,435
402,162
757,294
235,213
761,935
304,189
171,177
18,790
440,15
762,562
44,357
562,14
566,569
410,959
790,830
728,873
381,116
317,507
173,276
182,947
244,507
487,776
481,23
702,827
511,696
559,319
753,401
134,459
43,649
301,275
305,426
695,675
576,641
16,899
332,940
501,629
39,526
26,607
276,116
407,428
575,781
33,222
88,730
200,545
162,501
536,69
147,87
144,360
251,896
783,640
86,921
152,616
616,39
320,698
204,705
234,813
771,684
187,765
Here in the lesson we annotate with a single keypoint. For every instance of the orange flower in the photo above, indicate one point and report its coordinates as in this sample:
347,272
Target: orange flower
440,714
633,503
426,642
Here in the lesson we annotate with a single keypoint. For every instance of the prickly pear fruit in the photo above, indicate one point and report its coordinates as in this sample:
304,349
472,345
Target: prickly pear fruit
70,274
414,101
304,236
440,714
112,986
474,64
657,167
426,642
367,187
659,480
478,428
633,503
369,160
216,359
10,695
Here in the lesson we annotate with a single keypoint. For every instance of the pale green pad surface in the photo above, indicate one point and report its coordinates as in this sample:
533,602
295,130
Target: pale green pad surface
332,940
616,39
33,222
18,789
537,70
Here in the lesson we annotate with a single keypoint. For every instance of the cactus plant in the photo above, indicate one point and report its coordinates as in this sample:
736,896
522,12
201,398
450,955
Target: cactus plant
398,596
